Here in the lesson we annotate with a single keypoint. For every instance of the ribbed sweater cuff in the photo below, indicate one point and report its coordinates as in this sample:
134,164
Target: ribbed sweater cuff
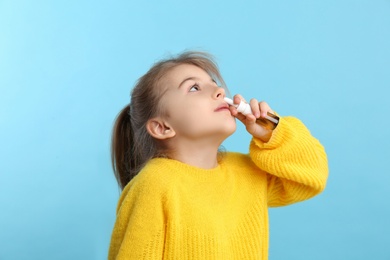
278,134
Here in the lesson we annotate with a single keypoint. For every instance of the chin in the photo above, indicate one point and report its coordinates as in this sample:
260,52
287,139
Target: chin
230,129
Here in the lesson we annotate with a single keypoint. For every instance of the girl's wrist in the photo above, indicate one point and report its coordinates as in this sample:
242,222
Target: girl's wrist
266,136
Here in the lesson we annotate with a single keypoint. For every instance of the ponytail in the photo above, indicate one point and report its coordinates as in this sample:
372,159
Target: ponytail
121,142
131,145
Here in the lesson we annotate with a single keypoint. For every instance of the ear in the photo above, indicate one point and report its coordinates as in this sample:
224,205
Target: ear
159,129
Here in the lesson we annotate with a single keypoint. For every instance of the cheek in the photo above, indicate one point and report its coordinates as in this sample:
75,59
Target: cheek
187,110
179,113
189,120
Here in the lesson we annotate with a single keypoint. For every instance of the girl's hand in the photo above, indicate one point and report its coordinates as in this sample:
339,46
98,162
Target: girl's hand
260,110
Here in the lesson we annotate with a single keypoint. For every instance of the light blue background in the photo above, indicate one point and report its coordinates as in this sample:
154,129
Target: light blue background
67,67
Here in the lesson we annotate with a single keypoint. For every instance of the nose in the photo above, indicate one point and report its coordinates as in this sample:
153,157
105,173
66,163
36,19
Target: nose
219,93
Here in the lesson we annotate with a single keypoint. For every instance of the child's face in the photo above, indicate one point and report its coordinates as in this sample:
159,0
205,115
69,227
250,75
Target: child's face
194,105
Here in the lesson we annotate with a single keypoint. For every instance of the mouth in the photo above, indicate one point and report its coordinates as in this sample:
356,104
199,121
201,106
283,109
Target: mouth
222,107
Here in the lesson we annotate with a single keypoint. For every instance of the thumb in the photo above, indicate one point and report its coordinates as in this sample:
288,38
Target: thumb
250,124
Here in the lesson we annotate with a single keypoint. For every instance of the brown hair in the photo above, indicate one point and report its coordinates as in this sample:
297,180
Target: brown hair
132,146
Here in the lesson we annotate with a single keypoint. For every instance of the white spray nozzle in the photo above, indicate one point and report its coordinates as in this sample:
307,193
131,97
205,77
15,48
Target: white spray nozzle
243,108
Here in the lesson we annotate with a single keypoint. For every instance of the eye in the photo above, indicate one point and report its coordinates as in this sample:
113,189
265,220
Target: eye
194,88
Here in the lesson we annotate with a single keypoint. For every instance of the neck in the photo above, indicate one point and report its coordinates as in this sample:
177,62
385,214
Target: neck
198,154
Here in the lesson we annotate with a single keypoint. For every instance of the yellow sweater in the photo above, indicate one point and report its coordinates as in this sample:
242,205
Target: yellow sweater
171,210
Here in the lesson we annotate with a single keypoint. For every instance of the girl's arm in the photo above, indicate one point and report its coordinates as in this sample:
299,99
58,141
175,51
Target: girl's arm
295,161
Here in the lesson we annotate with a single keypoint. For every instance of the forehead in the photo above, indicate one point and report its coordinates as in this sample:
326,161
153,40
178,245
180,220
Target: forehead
183,71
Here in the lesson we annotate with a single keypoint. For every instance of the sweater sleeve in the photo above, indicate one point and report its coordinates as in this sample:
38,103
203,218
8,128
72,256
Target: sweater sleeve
294,160
139,229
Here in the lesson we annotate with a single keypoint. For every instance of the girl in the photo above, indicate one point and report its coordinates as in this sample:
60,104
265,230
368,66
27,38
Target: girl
182,198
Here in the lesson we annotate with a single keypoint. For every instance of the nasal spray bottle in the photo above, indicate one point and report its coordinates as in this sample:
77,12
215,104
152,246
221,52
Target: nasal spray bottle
270,121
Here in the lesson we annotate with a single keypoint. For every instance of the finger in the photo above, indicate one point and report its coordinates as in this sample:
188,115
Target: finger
250,124
238,98
237,115
255,107
264,108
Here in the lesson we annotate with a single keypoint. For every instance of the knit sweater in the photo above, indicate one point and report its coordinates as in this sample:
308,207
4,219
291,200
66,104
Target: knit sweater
171,210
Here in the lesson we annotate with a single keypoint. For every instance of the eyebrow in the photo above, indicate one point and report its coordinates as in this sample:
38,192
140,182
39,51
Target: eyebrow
194,78
186,79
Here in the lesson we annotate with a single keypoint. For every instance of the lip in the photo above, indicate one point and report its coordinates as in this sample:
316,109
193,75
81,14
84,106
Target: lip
222,107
